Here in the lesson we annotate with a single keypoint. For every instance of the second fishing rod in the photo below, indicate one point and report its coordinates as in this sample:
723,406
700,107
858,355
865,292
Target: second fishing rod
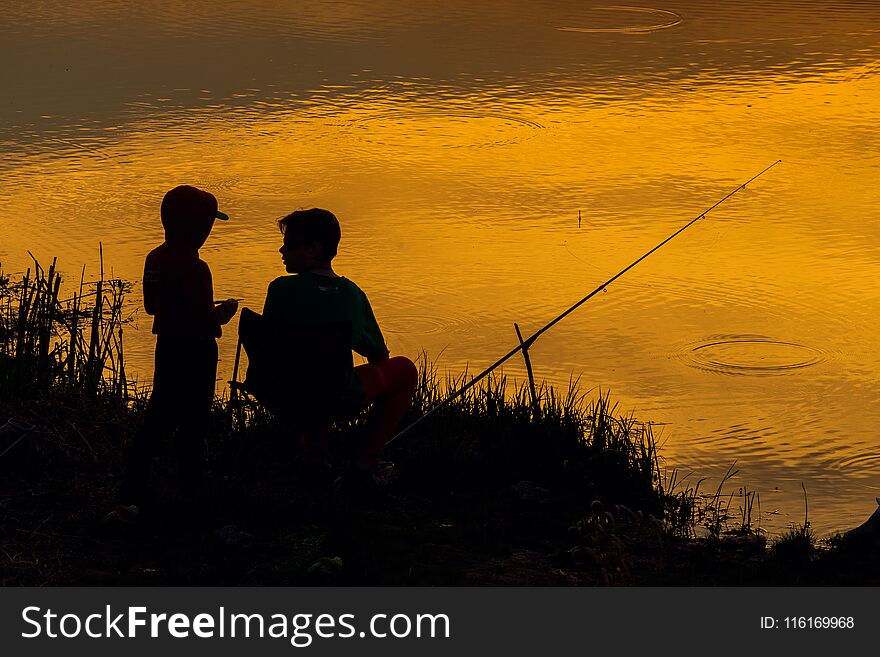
525,344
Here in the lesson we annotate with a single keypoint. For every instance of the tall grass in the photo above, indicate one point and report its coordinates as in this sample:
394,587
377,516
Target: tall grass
689,511
579,449
48,341
798,544
491,438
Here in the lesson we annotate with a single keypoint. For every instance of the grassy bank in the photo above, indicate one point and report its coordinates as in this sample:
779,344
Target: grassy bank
491,490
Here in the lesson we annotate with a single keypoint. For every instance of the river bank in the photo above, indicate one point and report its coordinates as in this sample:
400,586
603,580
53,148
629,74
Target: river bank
494,489
475,502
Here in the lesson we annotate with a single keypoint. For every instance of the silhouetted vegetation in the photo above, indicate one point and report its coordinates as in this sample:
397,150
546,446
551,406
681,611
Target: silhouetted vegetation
497,487
49,343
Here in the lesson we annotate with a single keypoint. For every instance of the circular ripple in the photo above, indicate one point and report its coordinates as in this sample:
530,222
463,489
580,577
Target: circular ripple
751,355
664,19
424,324
417,323
454,129
863,464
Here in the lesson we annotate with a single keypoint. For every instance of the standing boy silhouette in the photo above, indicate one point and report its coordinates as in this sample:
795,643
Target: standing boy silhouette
178,293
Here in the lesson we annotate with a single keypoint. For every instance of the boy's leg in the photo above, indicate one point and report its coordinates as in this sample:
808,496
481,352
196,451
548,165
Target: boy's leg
389,385
198,373
160,418
313,438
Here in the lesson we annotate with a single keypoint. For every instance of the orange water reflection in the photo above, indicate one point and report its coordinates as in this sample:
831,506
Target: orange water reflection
457,144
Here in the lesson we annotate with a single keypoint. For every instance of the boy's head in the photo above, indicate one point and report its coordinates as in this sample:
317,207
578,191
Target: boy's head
188,215
311,239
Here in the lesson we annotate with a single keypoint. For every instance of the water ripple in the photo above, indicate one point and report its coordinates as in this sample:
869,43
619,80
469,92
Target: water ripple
667,19
751,355
448,129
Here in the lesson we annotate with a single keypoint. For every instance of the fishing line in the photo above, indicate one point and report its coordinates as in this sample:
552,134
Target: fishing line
525,344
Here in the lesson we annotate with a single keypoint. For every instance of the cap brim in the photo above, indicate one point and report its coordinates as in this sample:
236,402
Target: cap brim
222,215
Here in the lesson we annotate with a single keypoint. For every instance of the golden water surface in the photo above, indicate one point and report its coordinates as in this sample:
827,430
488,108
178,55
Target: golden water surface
458,141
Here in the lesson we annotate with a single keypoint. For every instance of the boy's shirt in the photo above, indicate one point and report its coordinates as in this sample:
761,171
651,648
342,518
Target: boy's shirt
310,298
179,293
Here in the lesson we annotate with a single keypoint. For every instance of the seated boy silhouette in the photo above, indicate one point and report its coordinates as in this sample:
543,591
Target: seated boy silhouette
317,295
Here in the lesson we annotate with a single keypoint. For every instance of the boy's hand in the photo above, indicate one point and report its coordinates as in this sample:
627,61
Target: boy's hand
226,310
380,357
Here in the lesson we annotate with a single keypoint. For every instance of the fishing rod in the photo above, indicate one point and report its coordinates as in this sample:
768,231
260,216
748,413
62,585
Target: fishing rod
525,344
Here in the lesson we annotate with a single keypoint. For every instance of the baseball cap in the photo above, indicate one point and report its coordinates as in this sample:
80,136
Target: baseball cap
186,200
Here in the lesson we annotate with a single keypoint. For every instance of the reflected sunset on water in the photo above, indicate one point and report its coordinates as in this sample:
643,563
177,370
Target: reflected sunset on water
459,143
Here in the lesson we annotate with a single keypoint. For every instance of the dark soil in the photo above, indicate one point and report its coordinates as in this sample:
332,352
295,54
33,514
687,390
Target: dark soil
264,519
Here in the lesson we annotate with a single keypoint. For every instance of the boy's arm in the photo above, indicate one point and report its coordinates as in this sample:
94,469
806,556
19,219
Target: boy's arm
151,284
226,310
271,305
370,343
379,358
221,312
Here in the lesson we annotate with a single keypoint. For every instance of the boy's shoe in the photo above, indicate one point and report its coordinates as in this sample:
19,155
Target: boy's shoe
124,520
125,514
384,474
230,536
314,467
367,482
